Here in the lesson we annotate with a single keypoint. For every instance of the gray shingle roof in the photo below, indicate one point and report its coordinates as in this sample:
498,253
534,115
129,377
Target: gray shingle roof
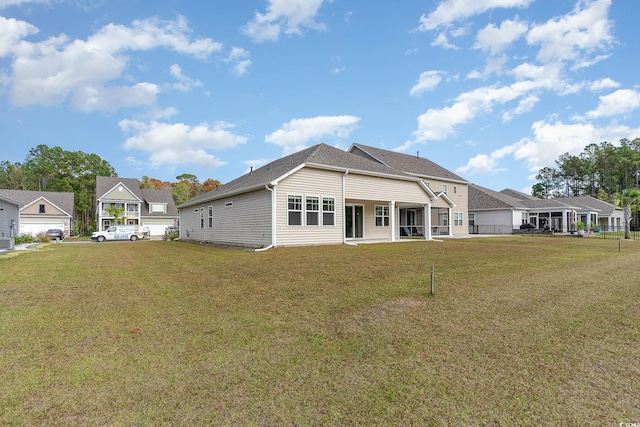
63,200
105,183
481,198
321,155
605,208
414,165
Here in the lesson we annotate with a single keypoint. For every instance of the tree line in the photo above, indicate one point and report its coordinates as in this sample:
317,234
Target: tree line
54,169
604,171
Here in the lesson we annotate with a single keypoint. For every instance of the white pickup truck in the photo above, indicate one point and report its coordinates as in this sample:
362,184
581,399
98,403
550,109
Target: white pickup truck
116,232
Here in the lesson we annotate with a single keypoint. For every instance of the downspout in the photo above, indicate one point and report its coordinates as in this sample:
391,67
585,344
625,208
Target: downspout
344,223
273,220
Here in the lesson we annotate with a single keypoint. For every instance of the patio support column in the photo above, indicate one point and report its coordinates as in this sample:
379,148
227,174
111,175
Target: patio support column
449,221
392,220
427,222
426,232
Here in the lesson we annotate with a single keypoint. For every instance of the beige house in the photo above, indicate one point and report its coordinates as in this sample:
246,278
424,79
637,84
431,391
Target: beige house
324,195
153,209
43,210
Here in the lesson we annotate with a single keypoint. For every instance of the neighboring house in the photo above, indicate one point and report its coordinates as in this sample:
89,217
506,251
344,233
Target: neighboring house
492,212
43,210
320,195
9,217
154,209
605,215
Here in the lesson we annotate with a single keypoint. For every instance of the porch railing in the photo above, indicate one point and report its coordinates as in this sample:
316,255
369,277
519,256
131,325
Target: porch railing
128,214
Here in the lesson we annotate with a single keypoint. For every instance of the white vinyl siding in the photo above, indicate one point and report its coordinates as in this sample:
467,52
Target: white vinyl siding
310,182
373,188
246,222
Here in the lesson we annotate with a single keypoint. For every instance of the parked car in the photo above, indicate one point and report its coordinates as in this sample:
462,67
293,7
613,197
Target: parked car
55,233
527,226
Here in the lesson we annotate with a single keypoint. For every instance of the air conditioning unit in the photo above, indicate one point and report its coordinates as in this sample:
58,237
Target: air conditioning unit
6,243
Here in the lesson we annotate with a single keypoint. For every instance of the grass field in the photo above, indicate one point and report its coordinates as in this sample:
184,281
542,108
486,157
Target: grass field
521,331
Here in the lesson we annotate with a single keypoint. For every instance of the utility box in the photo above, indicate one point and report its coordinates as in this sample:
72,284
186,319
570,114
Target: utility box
6,243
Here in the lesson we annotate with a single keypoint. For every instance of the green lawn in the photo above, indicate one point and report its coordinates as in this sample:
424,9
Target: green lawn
521,331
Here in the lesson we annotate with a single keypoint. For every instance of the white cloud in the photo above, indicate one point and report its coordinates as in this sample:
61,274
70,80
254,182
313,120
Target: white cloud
443,41
295,135
11,32
603,84
239,57
496,40
58,69
185,83
427,80
551,140
288,16
167,144
524,106
621,101
570,37
449,11
481,164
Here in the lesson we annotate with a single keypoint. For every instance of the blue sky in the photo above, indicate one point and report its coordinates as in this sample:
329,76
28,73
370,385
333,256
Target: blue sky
493,90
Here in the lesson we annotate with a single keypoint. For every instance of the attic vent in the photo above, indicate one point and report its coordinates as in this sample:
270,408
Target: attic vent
120,188
251,171
417,154
228,204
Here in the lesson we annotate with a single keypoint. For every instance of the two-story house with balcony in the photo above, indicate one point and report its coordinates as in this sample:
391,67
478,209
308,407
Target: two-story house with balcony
150,208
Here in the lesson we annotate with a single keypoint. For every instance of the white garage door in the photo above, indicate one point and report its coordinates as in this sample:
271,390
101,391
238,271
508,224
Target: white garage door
156,229
37,228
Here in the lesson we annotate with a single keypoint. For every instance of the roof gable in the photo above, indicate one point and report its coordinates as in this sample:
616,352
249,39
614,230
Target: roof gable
109,187
415,165
62,201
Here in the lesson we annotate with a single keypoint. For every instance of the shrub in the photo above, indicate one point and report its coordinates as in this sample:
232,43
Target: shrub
172,236
43,238
25,238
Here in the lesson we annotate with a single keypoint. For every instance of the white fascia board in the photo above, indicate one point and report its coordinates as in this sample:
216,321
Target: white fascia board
428,190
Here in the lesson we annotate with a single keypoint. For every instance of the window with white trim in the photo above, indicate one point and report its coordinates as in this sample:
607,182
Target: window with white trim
158,207
472,219
445,188
313,210
201,217
457,218
382,215
328,211
210,216
294,210
455,189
